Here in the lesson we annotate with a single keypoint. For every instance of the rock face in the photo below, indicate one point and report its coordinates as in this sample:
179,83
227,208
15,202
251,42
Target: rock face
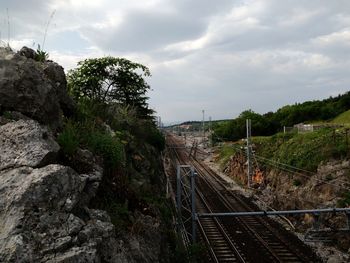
43,213
27,88
26,143
55,73
43,205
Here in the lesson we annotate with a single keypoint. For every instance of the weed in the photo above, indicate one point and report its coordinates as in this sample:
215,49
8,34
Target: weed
109,147
345,201
41,55
7,115
226,151
329,177
68,139
119,214
296,182
47,26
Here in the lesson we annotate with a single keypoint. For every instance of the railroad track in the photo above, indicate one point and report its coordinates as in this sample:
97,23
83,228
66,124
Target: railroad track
243,239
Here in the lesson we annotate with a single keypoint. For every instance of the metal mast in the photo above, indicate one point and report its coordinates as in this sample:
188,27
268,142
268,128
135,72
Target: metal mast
249,151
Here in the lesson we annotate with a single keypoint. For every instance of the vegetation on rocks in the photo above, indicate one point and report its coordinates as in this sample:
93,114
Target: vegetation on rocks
81,175
304,150
113,121
299,150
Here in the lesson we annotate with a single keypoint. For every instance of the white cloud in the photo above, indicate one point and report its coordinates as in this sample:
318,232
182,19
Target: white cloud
335,38
223,56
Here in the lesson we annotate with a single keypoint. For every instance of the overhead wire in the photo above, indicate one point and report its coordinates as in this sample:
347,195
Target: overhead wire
289,168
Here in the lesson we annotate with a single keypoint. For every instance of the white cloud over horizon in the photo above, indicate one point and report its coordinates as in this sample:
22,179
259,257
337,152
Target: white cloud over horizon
222,56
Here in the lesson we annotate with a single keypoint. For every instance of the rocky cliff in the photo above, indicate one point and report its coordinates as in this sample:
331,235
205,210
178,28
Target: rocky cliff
45,213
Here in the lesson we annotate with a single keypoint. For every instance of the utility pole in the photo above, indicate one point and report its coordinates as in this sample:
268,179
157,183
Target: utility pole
203,126
249,151
193,204
210,139
159,122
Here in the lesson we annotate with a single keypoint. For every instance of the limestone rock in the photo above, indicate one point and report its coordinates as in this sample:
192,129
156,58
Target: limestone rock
27,52
55,73
26,143
25,88
36,217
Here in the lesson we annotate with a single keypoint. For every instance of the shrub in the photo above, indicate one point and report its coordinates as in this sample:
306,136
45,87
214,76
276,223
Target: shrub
156,139
119,214
68,139
345,201
91,135
7,115
108,146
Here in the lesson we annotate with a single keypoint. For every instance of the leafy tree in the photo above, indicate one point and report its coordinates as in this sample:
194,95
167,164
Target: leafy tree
111,80
289,115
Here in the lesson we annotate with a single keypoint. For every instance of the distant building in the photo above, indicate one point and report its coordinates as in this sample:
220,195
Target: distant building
301,127
185,127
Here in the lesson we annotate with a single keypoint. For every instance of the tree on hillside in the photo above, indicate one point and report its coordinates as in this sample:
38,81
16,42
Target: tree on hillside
111,80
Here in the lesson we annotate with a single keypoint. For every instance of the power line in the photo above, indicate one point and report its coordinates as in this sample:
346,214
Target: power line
280,165
300,174
296,168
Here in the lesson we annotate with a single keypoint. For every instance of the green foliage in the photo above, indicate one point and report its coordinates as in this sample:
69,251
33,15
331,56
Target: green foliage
304,151
163,204
119,214
107,146
90,135
343,118
7,115
296,182
153,136
226,151
41,55
111,80
345,201
272,122
236,128
113,121
68,139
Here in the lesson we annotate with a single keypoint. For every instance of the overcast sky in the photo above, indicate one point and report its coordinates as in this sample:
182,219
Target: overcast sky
222,56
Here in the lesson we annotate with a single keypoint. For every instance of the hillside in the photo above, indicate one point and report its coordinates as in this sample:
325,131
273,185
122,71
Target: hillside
296,171
343,118
287,116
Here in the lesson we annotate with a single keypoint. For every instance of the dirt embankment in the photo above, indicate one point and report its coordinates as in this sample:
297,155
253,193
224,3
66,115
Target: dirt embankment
283,190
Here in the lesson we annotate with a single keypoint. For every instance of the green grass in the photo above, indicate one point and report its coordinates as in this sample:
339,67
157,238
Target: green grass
226,151
68,139
343,118
89,135
304,151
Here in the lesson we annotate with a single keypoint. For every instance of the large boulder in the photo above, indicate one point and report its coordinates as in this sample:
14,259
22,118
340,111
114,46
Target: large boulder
38,222
26,143
55,73
32,88
43,204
